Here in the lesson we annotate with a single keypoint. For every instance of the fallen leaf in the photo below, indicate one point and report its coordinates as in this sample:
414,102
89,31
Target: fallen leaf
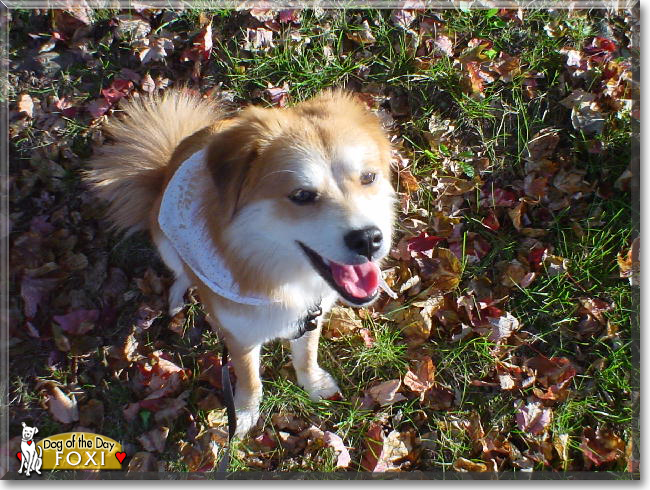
362,35
601,446
25,104
342,321
373,444
142,462
422,379
533,418
464,465
442,269
154,440
98,107
35,290
629,265
62,408
503,327
259,39
78,322
543,144
395,448
386,393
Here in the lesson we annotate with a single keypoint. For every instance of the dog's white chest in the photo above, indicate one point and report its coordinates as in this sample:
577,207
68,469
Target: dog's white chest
180,220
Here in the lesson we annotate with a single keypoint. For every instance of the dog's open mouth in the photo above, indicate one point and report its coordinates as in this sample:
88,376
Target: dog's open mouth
357,284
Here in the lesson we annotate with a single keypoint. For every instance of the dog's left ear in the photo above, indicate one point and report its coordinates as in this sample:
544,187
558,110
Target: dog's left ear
35,430
232,153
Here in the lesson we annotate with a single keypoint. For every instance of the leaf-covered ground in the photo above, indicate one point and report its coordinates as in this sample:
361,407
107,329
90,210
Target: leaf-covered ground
509,343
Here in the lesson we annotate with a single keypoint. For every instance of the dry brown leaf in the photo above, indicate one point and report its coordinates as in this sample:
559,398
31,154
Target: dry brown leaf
533,417
507,66
342,321
629,265
363,35
465,465
543,144
422,379
601,446
407,181
62,408
443,269
386,393
503,327
154,440
396,447
25,105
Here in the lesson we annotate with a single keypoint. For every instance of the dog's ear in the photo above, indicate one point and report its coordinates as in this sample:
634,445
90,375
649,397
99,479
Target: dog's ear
35,430
232,153
24,424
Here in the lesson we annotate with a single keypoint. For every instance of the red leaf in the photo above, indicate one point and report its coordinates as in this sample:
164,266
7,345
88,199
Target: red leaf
491,221
78,322
601,446
422,242
98,107
374,442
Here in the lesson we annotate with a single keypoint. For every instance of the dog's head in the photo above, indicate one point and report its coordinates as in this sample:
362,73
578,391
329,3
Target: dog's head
28,432
306,191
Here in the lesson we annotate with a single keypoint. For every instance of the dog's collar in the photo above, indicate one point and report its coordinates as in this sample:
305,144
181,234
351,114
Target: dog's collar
180,219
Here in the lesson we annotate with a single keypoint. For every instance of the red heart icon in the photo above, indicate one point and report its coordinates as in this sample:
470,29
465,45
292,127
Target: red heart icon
120,456
29,443
19,455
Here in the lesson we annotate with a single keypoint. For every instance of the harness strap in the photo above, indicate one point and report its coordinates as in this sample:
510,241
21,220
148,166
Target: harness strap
229,399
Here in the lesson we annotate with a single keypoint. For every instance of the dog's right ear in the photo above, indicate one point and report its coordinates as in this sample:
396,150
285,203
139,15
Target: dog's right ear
24,424
233,151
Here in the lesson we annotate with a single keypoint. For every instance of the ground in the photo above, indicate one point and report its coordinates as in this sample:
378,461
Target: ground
509,345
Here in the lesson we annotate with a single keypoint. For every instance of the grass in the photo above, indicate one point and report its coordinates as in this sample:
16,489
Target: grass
498,126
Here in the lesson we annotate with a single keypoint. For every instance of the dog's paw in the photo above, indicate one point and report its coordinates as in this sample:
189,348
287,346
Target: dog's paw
246,419
177,296
318,383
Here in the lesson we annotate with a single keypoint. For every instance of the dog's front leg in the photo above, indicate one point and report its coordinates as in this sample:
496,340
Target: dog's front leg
315,380
248,390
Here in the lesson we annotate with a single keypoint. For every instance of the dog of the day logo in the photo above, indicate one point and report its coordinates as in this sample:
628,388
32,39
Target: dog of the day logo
68,451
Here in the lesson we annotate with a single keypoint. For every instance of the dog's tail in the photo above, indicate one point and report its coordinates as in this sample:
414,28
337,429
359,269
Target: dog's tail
129,174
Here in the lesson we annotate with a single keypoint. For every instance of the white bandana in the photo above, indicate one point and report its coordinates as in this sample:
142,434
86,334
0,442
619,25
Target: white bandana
181,221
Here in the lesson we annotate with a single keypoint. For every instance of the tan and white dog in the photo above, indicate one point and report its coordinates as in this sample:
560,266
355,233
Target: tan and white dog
269,214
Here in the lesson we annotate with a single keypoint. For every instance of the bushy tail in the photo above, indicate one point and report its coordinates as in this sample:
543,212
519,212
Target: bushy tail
129,173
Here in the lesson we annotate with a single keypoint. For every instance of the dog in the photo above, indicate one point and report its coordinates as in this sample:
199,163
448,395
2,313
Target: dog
271,214
31,459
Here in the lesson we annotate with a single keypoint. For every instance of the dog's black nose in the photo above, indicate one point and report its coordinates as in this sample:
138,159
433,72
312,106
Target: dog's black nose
365,241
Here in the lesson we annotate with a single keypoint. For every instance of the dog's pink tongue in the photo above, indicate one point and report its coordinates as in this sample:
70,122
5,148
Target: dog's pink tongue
359,281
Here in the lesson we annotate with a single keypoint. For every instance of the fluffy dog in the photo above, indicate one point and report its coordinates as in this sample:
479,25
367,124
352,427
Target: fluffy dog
270,214
31,458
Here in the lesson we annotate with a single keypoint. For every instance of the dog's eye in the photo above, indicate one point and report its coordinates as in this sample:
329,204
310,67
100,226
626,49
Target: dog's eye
368,178
303,196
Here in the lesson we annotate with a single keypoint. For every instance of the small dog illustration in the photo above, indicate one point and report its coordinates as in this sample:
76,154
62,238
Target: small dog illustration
31,460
